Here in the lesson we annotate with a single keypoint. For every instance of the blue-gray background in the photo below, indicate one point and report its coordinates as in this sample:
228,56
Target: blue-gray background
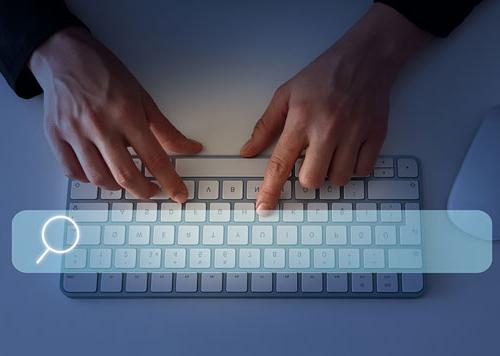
212,66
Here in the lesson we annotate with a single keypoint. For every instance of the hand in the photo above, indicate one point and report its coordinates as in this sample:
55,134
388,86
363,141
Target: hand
94,109
336,108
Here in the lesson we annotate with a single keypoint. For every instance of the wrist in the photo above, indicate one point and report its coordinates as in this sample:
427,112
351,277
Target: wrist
384,37
56,50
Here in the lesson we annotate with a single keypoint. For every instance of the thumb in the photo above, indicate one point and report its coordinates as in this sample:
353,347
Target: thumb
171,139
268,126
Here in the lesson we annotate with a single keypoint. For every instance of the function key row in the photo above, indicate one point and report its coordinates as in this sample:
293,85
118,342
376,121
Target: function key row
242,283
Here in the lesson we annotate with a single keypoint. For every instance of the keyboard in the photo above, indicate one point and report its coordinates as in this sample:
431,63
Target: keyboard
229,182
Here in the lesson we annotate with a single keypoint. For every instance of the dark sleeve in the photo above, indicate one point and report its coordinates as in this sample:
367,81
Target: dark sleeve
438,17
25,25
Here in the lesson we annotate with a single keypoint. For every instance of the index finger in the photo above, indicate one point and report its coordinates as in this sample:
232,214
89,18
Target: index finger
158,162
278,168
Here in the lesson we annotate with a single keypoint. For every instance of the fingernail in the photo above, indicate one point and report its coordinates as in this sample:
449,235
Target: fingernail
180,197
263,209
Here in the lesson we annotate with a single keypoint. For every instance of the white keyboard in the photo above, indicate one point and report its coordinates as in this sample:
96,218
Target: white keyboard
213,230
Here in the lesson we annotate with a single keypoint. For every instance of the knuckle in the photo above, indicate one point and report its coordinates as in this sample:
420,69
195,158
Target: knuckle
278,167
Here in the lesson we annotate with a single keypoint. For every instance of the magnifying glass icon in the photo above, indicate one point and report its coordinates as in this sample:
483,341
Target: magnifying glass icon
49,248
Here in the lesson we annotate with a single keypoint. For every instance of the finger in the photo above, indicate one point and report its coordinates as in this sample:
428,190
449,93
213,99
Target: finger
158,163
168,136
343,163
278,169
268,126
314,169
125,172
94,166
68,160
368,155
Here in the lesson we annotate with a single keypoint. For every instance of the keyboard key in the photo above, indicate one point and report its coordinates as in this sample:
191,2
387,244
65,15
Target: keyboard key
385,235
111,282
286,235
114,235
297,166
317,212
336,235
161,282
125,258
361,235
299,258
175,258
146,212
170,212
271,216
286,282
136,282
161,195
407,168
121,212
361,282
311,235
236,282
244,212
274,258
138,235
220,212
387,282
373,258
188,235
232,189
213,235
89,212
324,258
366,212
80,283
261,282
237,235
195,212
89,235
412,282
111,194
262,235
329,191
186,282
390,212
393,189
304,193
76,258
342,212
384,162
253,187
286,190
190,188
293,212
211,282
405,258
81,190
249,258
312,282
354,189
348,258
208,189
150,258
100,258
336,282
383,172
225,258
163,235
220,167
199,258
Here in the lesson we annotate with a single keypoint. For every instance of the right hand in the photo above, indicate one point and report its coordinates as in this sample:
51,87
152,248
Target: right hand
94,108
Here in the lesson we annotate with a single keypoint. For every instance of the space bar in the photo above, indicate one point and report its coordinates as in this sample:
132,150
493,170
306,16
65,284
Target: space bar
221,167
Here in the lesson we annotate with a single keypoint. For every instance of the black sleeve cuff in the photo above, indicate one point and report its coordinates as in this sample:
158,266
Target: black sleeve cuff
438,17
24,26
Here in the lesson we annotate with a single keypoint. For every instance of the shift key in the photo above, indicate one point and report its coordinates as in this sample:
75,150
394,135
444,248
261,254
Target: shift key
393,189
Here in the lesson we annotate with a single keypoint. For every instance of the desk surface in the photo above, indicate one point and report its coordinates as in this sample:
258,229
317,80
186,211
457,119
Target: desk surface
215,65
